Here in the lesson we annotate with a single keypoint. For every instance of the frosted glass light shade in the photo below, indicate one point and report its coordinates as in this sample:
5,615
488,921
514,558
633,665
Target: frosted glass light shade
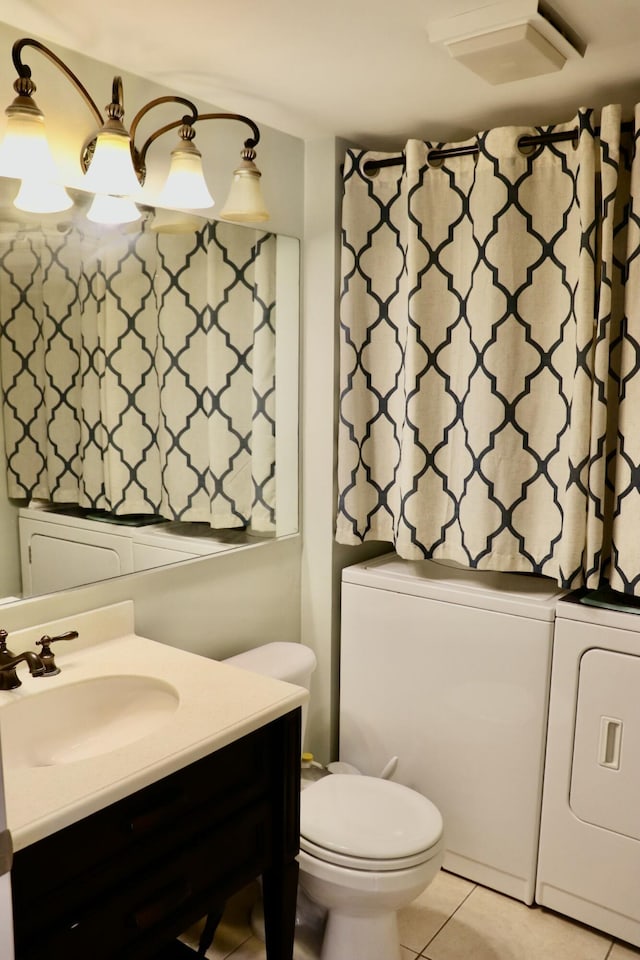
111,169
38,196
25,155
112,210
176,221
25,151
245,203
185,185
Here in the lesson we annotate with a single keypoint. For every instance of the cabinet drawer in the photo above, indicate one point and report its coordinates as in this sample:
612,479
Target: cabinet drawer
173,810
158,903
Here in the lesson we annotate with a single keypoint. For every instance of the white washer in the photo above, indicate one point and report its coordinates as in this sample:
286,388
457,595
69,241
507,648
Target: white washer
589,865
448,668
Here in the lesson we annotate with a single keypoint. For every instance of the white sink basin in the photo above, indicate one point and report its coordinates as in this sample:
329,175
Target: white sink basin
77,721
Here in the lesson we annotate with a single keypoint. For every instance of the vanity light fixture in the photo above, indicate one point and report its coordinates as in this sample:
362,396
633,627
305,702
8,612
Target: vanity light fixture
114,167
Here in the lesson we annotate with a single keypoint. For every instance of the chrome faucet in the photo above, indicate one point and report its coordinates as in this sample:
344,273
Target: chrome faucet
9,679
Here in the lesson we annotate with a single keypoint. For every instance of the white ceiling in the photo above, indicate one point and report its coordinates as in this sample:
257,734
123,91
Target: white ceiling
360,69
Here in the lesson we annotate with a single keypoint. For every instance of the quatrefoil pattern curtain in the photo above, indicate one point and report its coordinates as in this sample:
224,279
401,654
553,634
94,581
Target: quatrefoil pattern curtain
138,373
489,355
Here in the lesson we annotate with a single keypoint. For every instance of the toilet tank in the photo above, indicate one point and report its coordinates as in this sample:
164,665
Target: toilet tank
291,662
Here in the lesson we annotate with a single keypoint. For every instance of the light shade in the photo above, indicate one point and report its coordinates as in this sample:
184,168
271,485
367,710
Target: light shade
38,196
176,221
25,151
112,210
245,203
111,169
25,155
185,185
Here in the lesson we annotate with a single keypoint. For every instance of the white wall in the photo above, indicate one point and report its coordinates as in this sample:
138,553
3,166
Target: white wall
322,558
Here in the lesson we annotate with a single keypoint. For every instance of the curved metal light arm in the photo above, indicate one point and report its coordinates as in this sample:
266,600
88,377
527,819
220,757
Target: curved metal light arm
173,98
140,156
249,143
24,73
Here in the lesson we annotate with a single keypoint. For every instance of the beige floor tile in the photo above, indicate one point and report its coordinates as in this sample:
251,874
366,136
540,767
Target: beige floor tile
420,921
489,926
251,949
406,954
621,951
234,927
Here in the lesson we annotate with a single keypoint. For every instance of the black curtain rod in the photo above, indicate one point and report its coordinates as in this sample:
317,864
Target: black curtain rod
471,149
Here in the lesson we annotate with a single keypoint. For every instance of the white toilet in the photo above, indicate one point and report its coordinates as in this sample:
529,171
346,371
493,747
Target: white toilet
367,846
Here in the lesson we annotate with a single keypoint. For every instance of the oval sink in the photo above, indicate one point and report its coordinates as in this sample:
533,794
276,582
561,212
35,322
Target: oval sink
77,721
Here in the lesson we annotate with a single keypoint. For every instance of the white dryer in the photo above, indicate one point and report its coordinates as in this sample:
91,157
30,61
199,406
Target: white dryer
589,864
448,668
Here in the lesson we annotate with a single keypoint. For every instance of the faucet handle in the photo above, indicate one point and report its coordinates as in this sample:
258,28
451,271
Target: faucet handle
5,654
46,654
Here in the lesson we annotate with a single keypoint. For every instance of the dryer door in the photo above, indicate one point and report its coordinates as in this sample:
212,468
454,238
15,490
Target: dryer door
605,775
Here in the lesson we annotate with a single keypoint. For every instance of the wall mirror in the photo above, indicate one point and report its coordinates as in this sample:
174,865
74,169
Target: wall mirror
149,385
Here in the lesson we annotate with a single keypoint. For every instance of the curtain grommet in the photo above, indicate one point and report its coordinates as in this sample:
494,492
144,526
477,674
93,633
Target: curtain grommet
434,160
525,149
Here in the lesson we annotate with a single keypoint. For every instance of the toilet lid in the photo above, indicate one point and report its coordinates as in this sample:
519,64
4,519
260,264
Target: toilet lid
367,817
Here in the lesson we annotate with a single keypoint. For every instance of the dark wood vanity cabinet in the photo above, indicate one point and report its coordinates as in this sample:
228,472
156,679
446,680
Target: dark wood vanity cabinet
123,882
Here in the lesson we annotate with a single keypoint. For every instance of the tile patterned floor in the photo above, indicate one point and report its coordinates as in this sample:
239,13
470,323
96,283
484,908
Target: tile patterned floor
454,919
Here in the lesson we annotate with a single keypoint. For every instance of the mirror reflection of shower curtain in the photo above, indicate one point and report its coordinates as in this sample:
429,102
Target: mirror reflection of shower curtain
217,444
125,387
477,413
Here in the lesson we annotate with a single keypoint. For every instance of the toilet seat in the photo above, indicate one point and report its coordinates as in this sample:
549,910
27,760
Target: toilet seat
365,823
368,864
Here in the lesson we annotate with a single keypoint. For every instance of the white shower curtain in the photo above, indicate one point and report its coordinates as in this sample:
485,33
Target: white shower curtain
614,515
470,426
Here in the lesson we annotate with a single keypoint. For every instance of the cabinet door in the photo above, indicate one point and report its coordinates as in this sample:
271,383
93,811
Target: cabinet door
150,905
129,878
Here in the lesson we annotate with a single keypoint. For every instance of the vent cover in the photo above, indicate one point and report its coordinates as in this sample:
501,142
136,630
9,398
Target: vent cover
510,41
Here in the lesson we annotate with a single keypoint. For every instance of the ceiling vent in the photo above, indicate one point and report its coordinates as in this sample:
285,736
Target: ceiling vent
507,41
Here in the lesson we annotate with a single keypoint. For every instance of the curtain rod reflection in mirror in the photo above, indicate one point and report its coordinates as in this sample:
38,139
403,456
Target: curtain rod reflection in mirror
114,168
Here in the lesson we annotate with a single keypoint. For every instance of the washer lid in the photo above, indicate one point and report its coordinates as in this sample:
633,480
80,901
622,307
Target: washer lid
368,817
521,594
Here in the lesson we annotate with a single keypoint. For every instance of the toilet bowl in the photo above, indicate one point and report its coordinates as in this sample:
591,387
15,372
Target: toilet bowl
368,846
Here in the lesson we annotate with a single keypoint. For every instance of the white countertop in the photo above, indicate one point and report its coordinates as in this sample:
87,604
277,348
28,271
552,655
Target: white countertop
218,704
